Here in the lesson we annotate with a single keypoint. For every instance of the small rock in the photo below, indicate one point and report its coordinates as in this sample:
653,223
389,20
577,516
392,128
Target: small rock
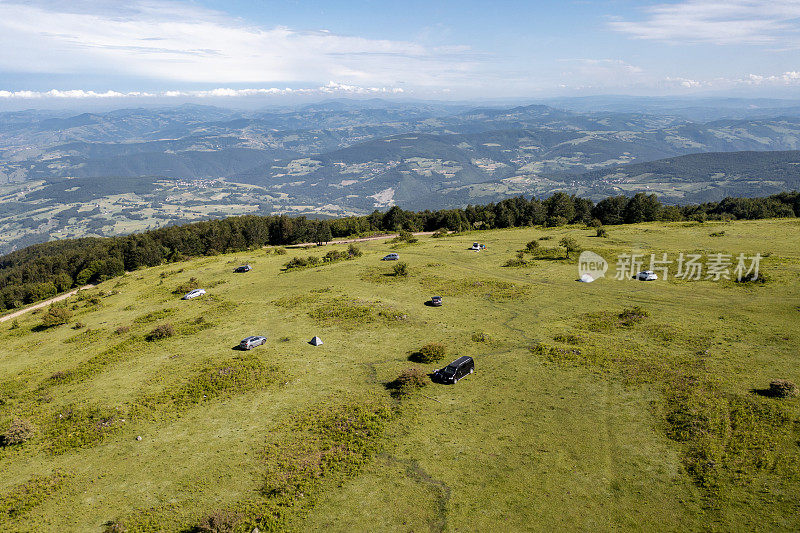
139,437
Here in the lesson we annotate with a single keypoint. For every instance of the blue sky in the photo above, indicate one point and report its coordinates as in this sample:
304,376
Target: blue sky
78,49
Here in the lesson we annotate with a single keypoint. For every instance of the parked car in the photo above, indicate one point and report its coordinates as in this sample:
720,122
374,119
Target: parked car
475,246
456,370
391,257
646,275
436,301
251,342
193,294
243,268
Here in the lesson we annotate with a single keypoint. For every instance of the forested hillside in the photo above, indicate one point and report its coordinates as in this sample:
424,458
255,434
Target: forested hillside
43,270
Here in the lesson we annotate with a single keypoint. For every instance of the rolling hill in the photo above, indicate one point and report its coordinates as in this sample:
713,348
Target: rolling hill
607,406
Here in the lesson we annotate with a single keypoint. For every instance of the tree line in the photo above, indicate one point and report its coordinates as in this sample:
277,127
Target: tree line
44,270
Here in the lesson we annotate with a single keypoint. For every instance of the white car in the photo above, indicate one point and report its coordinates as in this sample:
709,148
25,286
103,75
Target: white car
391,257
193,294
476,246
646,275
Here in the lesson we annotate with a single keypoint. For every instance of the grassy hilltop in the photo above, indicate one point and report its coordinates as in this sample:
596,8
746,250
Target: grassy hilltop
612,405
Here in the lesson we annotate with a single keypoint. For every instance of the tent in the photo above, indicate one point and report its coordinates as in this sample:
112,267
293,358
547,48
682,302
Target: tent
316,341
586,278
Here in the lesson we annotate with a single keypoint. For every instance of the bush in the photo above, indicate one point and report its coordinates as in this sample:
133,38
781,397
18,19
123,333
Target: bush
405,236
439,233
335,255
219,522
632,315
782,388
400,269
354,251
122,330
531,246
14,324
515,262
190,285
279,251
79,325
18,432
409,380
56,315
430,353
303,262
569,244
601,232
480,337
161,332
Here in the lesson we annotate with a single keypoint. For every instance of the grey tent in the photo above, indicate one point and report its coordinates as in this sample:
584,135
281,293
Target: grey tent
316,341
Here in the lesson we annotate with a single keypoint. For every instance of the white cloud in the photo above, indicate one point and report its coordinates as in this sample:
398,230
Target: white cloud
184,43
722,22
222,92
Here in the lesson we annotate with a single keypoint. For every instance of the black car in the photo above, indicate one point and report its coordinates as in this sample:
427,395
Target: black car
436,301
243,268
456,370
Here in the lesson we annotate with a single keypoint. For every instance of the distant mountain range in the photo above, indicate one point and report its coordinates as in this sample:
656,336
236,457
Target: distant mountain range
132,169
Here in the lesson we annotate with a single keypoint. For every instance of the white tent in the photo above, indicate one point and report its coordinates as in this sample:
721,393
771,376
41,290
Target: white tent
586,278
316,341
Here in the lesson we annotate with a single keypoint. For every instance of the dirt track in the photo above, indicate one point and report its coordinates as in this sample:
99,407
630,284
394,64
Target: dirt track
362,239
44,303
72,293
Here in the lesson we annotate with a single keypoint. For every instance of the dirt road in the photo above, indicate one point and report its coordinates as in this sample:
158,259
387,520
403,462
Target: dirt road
362,239
45,303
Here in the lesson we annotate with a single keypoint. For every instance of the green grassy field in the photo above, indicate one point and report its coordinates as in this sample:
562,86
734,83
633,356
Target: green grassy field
580,415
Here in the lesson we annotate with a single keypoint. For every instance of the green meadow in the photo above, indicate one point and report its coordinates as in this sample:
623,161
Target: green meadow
615,405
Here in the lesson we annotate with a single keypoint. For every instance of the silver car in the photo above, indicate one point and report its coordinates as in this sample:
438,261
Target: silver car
251,342
193,294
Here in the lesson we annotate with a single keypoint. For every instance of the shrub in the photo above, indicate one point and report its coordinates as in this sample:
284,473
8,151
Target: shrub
782,388
409,380
335,255
14,324
752,278
515,262
302,262
122,330
601,232
219,522
531,246
430,353
190,285
400,269
56,315
279,251
18,432
79,325
354,251
405,236
569,244
632,315
161,332
717,234
439,233
480,337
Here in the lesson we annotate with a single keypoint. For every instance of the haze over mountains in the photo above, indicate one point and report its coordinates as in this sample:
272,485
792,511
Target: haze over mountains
64,175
